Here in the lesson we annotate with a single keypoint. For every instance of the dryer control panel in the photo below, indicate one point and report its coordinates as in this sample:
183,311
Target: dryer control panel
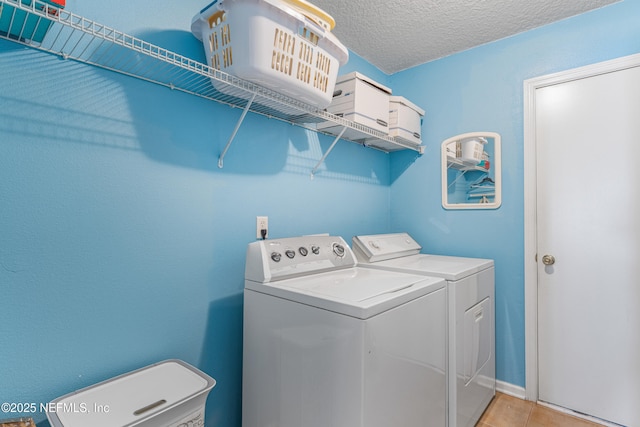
381,247
278,259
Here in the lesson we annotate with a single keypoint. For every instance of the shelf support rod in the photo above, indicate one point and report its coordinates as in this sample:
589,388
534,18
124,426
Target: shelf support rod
457,178
335,141
235,131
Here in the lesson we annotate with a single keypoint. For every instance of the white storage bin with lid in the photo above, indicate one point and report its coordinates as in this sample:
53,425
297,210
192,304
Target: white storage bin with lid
359,99
405,120
471,149
286,46
166,394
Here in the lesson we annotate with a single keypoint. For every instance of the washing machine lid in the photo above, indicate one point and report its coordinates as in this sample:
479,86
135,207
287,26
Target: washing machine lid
357,292
448,267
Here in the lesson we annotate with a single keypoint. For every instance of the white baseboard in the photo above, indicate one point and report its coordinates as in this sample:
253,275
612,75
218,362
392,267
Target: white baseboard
510,389
579,415
519,392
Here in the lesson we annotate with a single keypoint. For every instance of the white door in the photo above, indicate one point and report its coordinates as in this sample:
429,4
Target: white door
588,213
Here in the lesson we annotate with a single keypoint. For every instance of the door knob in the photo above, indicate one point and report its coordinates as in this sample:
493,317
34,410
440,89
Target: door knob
548,260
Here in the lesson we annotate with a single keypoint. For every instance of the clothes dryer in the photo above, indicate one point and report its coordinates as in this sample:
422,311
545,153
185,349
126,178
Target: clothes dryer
327,343
471,326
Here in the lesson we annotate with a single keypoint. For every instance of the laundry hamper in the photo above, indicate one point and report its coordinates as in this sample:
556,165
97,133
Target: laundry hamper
166,394
286,46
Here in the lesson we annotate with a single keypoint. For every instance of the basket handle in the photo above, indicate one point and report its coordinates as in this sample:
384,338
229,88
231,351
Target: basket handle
213,19
313,12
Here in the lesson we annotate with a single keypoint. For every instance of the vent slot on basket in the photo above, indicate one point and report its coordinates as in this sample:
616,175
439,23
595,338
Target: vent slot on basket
307,34
213,41
304,72
321,76
227,59
284,44
225,35
220,41
305,62
306,53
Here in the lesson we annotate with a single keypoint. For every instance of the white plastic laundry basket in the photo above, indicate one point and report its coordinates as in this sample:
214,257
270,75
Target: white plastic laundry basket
472,149
277,44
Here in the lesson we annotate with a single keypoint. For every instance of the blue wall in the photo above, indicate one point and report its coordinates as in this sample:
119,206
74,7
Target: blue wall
482,90
122,243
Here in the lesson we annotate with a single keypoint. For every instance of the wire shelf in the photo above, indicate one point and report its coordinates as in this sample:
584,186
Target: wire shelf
75,37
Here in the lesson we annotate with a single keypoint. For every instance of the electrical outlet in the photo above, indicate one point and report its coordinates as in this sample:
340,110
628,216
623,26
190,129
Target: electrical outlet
262,223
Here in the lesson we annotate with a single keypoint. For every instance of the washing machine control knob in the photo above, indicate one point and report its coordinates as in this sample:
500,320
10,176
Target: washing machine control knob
315,249
276,256
338,249
303,251
290,253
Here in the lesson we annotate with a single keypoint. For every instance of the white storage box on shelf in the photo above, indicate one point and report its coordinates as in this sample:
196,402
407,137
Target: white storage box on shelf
405,120
359,99
471,149
286,46
166,394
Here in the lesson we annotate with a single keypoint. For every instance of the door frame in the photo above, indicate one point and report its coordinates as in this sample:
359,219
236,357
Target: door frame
530,202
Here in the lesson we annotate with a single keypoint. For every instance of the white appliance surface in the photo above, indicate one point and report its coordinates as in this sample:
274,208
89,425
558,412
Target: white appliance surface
471,318
357,292
327,343
448,267
399,252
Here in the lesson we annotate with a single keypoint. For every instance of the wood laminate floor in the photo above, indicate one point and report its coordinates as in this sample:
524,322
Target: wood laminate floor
508,411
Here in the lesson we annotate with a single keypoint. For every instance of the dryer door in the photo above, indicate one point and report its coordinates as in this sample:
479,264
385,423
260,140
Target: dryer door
477,339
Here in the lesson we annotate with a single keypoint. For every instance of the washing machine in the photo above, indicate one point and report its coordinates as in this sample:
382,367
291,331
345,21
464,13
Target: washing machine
471,378
327,343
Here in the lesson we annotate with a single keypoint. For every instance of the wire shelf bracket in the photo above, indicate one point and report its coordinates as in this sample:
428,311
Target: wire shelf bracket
235,131
333,144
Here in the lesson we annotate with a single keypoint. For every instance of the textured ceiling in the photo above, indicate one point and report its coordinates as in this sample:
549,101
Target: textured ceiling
398,35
